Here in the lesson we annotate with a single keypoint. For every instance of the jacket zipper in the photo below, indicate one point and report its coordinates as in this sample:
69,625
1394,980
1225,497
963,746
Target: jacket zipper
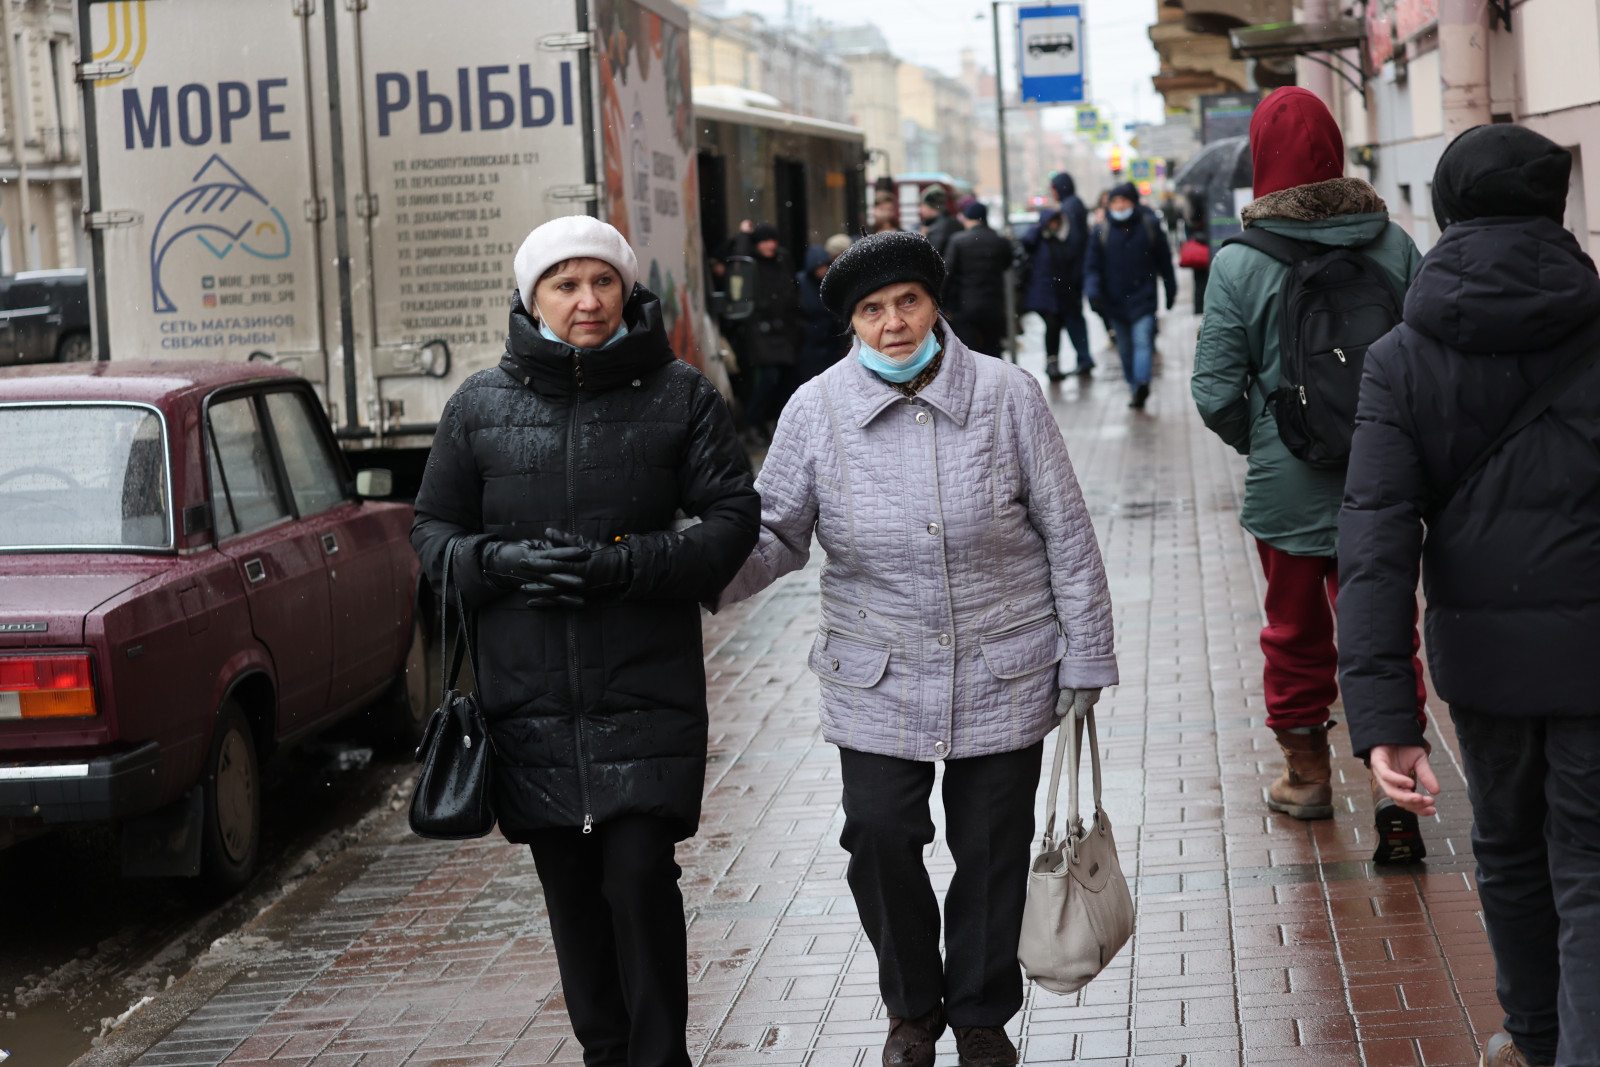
573,681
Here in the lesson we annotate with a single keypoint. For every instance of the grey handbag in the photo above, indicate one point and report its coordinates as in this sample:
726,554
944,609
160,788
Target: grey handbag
1079,911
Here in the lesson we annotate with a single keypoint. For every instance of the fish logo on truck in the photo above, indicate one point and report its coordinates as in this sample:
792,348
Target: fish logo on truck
223,211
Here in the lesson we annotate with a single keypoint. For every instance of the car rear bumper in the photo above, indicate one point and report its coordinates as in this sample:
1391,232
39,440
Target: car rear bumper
88,790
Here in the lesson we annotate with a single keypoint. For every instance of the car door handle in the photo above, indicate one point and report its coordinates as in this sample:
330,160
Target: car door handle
330,544
255,570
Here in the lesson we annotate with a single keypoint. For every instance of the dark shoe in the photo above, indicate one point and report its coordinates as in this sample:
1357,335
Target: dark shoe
984,1046
1501,1052
1052,370
1086,371
1399,834
1305,788
1140,395
911,1041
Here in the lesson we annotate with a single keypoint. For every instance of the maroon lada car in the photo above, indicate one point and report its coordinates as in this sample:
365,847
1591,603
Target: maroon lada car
190,579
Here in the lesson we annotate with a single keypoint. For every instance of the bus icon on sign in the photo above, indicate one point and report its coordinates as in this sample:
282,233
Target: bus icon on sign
1051,44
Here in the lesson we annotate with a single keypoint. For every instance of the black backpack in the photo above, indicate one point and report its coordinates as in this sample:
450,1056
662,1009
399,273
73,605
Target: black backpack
1335,302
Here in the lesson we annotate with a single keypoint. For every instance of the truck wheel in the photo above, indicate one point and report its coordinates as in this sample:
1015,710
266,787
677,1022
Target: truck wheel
232,785
75,348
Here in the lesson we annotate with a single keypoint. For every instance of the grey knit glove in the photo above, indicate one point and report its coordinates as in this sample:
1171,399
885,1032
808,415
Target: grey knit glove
1078,701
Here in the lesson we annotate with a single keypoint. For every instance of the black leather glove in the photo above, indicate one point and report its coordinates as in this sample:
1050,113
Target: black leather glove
604,569
1097,306
534,568
1172,298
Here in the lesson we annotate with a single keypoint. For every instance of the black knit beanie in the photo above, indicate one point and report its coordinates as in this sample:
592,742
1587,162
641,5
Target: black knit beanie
1500,170
878,260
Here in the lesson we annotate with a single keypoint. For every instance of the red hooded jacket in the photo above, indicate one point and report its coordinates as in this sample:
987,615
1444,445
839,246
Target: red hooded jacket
1294,141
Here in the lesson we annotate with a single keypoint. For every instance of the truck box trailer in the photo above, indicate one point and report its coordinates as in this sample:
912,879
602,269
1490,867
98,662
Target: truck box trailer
339,186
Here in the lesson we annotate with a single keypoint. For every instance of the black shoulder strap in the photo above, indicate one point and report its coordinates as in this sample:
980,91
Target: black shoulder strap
1537,404
450,659
1285,250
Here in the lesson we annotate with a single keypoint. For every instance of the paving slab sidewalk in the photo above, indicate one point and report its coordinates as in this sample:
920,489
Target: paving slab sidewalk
1260,940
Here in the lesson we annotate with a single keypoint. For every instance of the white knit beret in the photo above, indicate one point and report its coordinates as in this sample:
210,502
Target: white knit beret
572,237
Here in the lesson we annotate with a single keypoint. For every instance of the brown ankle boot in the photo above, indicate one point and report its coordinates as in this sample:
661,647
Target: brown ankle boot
1304,789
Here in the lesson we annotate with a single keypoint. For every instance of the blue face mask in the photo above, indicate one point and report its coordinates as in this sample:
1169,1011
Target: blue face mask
893,370
1122,214
549,335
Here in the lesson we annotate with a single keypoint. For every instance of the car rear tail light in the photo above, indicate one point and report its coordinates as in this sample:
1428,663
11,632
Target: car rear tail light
46,686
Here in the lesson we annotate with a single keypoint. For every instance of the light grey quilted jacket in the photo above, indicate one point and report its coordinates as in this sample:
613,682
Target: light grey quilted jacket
963,583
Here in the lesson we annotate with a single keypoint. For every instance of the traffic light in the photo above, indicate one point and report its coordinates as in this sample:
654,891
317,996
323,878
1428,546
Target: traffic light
1116,159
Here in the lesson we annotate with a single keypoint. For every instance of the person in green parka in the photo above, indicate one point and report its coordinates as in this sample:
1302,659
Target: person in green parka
1290,507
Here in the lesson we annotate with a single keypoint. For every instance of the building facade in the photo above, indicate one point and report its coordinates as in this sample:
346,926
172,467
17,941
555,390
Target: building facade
746,52
40,115
1439,67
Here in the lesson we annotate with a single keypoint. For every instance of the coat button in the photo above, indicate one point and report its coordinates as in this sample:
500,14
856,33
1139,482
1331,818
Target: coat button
834,664
933,528
944,639
922,416
940,748
862,613
637,383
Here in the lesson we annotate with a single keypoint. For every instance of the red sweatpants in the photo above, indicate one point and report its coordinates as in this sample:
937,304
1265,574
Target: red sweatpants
1301,678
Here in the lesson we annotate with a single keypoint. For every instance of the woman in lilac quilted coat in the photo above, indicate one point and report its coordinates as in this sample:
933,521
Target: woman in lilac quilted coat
964,602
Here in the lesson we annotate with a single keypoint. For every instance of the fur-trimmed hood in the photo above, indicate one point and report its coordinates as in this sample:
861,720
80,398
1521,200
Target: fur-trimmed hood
1335,198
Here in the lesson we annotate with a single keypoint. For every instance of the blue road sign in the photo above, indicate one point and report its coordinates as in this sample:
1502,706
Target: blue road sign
1050,52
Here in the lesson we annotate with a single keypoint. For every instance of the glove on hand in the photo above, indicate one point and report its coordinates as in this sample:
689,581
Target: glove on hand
533,567
602,569
1097,306
1077,701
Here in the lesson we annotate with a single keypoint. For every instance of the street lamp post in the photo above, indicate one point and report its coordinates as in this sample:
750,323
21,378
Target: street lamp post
1005,186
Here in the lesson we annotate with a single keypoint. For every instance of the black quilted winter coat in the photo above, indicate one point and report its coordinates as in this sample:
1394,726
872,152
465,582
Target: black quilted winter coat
1511,565
600,711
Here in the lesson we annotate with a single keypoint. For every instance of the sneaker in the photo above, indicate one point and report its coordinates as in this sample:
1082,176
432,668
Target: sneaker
984,1046
1502,1052
911,1041
1399,833
1140,395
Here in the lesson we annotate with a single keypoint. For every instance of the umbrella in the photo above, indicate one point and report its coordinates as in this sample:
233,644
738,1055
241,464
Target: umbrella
1227,159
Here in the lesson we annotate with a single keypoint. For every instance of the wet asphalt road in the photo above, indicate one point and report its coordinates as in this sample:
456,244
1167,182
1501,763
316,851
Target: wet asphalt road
80,944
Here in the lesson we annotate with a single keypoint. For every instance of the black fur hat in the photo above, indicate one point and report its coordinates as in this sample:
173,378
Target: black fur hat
878,260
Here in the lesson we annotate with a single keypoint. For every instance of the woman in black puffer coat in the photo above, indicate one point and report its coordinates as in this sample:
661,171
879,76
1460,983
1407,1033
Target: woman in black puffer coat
1510,565
555,479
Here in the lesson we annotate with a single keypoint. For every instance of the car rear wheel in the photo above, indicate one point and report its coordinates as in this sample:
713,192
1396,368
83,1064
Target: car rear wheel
402,715
75,348
232,784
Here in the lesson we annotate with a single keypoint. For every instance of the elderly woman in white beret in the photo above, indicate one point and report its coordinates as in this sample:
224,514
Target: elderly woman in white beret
553,486
964,606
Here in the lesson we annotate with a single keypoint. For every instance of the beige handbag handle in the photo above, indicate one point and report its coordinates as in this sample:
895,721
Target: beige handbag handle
1067,746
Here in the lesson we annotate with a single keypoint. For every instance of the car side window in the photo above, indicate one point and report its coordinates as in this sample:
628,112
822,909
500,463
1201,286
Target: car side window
314,476
244,487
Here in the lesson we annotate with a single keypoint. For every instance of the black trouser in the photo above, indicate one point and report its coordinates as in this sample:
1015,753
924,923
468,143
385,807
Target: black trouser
1077,331
1535,789
983,333
988,804
616,917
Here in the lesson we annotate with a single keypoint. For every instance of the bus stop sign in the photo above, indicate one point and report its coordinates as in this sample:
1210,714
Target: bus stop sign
1050,53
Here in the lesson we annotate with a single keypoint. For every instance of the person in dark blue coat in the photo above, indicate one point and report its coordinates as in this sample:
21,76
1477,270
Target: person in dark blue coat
1508,546
824,337
1053,286
1127,253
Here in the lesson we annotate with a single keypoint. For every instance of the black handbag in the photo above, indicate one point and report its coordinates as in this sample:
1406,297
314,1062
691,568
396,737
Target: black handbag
452,798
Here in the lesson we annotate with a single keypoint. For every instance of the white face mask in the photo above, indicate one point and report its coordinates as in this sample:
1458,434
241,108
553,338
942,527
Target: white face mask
1122,214
550,335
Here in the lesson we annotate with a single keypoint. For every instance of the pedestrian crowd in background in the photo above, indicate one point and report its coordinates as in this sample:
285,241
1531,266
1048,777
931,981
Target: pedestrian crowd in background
1402,416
